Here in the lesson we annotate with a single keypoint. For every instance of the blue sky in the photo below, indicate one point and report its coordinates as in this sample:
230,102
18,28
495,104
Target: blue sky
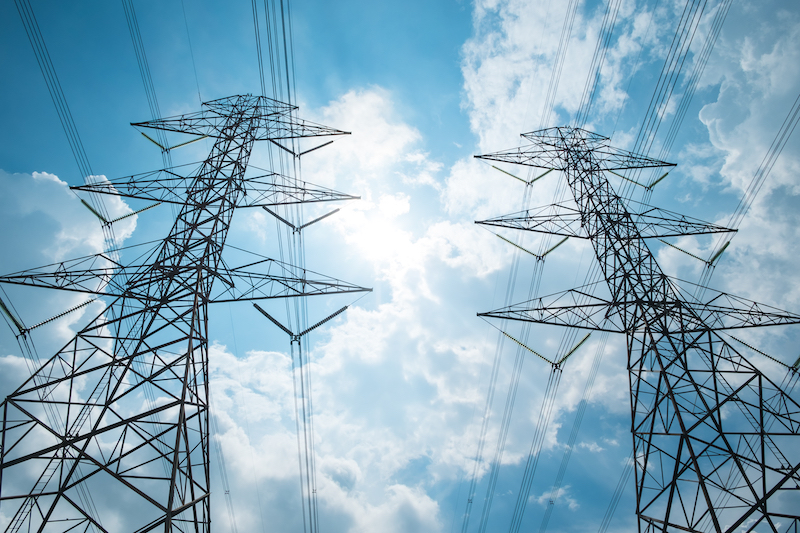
400,380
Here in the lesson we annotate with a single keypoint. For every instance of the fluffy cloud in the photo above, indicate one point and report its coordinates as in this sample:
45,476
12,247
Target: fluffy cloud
399,381
46,223
396,378
758,75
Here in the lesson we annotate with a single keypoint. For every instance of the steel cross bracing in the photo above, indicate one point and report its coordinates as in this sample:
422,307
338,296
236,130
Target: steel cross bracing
716,442
121,411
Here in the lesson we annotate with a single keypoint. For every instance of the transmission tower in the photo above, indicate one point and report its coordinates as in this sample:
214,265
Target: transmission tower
715,441
122,409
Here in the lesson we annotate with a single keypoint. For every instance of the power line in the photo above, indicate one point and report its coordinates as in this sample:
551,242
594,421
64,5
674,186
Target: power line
558,62
191,52
773,152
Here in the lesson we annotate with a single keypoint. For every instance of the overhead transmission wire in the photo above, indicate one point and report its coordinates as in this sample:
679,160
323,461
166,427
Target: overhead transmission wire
33,32
619,489
544,27
551,390
147,79
532,462
254,4
670,72
635,69
564,351
558,64
700,62
496,361
223,471
45,63
278,28
668,76
534,286
569,337
581,411
598,59
773,152
548,399
191,52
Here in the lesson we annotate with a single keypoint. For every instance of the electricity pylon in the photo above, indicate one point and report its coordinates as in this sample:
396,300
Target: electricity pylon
121,411
715,441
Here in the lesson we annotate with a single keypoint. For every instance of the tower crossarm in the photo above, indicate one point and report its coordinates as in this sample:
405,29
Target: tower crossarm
581,309
578,308
95,274
269,279
565,219
170,187
268,118
547,151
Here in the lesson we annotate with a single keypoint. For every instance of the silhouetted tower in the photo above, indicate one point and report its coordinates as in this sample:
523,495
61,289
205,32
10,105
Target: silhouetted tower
121,412
715,441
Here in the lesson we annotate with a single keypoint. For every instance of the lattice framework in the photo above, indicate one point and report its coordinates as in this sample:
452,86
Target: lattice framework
715,440
122,408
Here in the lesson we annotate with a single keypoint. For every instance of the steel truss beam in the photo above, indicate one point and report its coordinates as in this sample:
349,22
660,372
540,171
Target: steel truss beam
121,411
565,219
167,185
716,442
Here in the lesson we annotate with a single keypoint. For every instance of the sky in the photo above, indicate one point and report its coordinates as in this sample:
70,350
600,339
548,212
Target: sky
400,380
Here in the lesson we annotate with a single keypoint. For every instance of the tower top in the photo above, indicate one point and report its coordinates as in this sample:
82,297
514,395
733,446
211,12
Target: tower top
270,119
564,148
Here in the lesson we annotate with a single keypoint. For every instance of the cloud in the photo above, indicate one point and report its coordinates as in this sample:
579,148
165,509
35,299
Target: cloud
563,496
401,378
46,223
356,458
395,379
400,381
757,76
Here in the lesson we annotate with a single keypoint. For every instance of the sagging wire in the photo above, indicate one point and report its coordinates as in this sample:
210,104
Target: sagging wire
576,425
191,53
596,67
492,381
536,276
694,78
147,79
668,76
773,152
561,53
223,471
278,29
622,483
64,114
303,404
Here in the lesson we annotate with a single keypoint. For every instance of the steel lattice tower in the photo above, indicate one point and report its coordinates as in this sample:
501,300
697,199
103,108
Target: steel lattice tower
715,441
77,425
